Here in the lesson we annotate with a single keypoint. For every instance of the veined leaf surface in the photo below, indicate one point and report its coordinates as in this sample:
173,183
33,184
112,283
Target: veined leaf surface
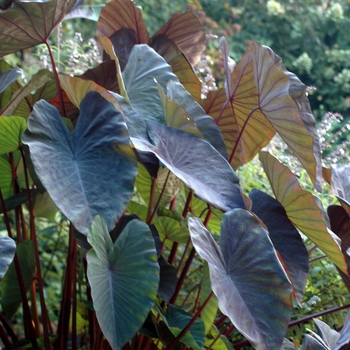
301,208
94,164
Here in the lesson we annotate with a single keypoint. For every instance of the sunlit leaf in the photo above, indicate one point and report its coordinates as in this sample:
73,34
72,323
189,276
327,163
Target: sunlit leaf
86,11
119,14
28,24
11,130
196,163
286,239
171,229
94,164
179,64
7,252
10,290
124,277
247,277
188,33
301,208
216,341
6,181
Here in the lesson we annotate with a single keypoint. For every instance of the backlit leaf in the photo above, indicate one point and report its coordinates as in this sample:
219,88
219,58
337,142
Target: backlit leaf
196,163
94,163
301,208
6,181
7,252
28,24
11,130
124,277
247,277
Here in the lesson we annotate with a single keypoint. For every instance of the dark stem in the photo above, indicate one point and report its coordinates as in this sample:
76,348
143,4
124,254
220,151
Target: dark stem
151,199
57,80
8,328
44,313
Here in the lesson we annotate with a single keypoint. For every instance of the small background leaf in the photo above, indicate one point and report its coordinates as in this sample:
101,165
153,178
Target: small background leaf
7,252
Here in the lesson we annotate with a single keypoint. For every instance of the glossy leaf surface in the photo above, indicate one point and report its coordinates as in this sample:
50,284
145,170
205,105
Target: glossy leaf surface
285,237
301,208
7,252
11,130
124,277
94,164
247,277
196,163
10,290
28,24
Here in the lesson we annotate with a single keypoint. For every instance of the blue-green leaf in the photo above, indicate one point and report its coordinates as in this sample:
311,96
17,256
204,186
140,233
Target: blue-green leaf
9,77
124,278
197,163
247,277
285,237
7,252
89,171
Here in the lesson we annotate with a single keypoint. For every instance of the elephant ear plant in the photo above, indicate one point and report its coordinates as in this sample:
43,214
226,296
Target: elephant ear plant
173,253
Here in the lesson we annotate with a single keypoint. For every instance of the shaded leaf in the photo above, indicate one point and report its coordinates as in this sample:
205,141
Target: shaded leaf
168,280
17,199
301,208
124,277
188,33
285,238
311,343
344,338
10,290
38,80
196,163
329,335
28,24
341,184
85,163
7,253
247,277
11,130
8,77
119,14
44,206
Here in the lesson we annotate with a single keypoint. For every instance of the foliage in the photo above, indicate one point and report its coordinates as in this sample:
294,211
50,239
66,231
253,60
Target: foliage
141,174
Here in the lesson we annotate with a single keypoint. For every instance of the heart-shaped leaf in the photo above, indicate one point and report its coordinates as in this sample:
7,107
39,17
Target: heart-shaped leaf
11,130
247,277
301,208
27,24
94,163
10,289
196,163
124,278
7,252
285,237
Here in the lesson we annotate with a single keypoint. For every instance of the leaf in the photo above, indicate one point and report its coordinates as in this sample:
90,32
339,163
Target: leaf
10,290
38,80
329,335
8,77
168,280
188,33
119,14
344,338
285,238
124,277
17,199
297,91
171,229
177,319
6,181
196,163
301,208
86,11
247,277
214,337
28,24
179,64
341,184
94,165
311,343
7,253
43,206
11,130
208,314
